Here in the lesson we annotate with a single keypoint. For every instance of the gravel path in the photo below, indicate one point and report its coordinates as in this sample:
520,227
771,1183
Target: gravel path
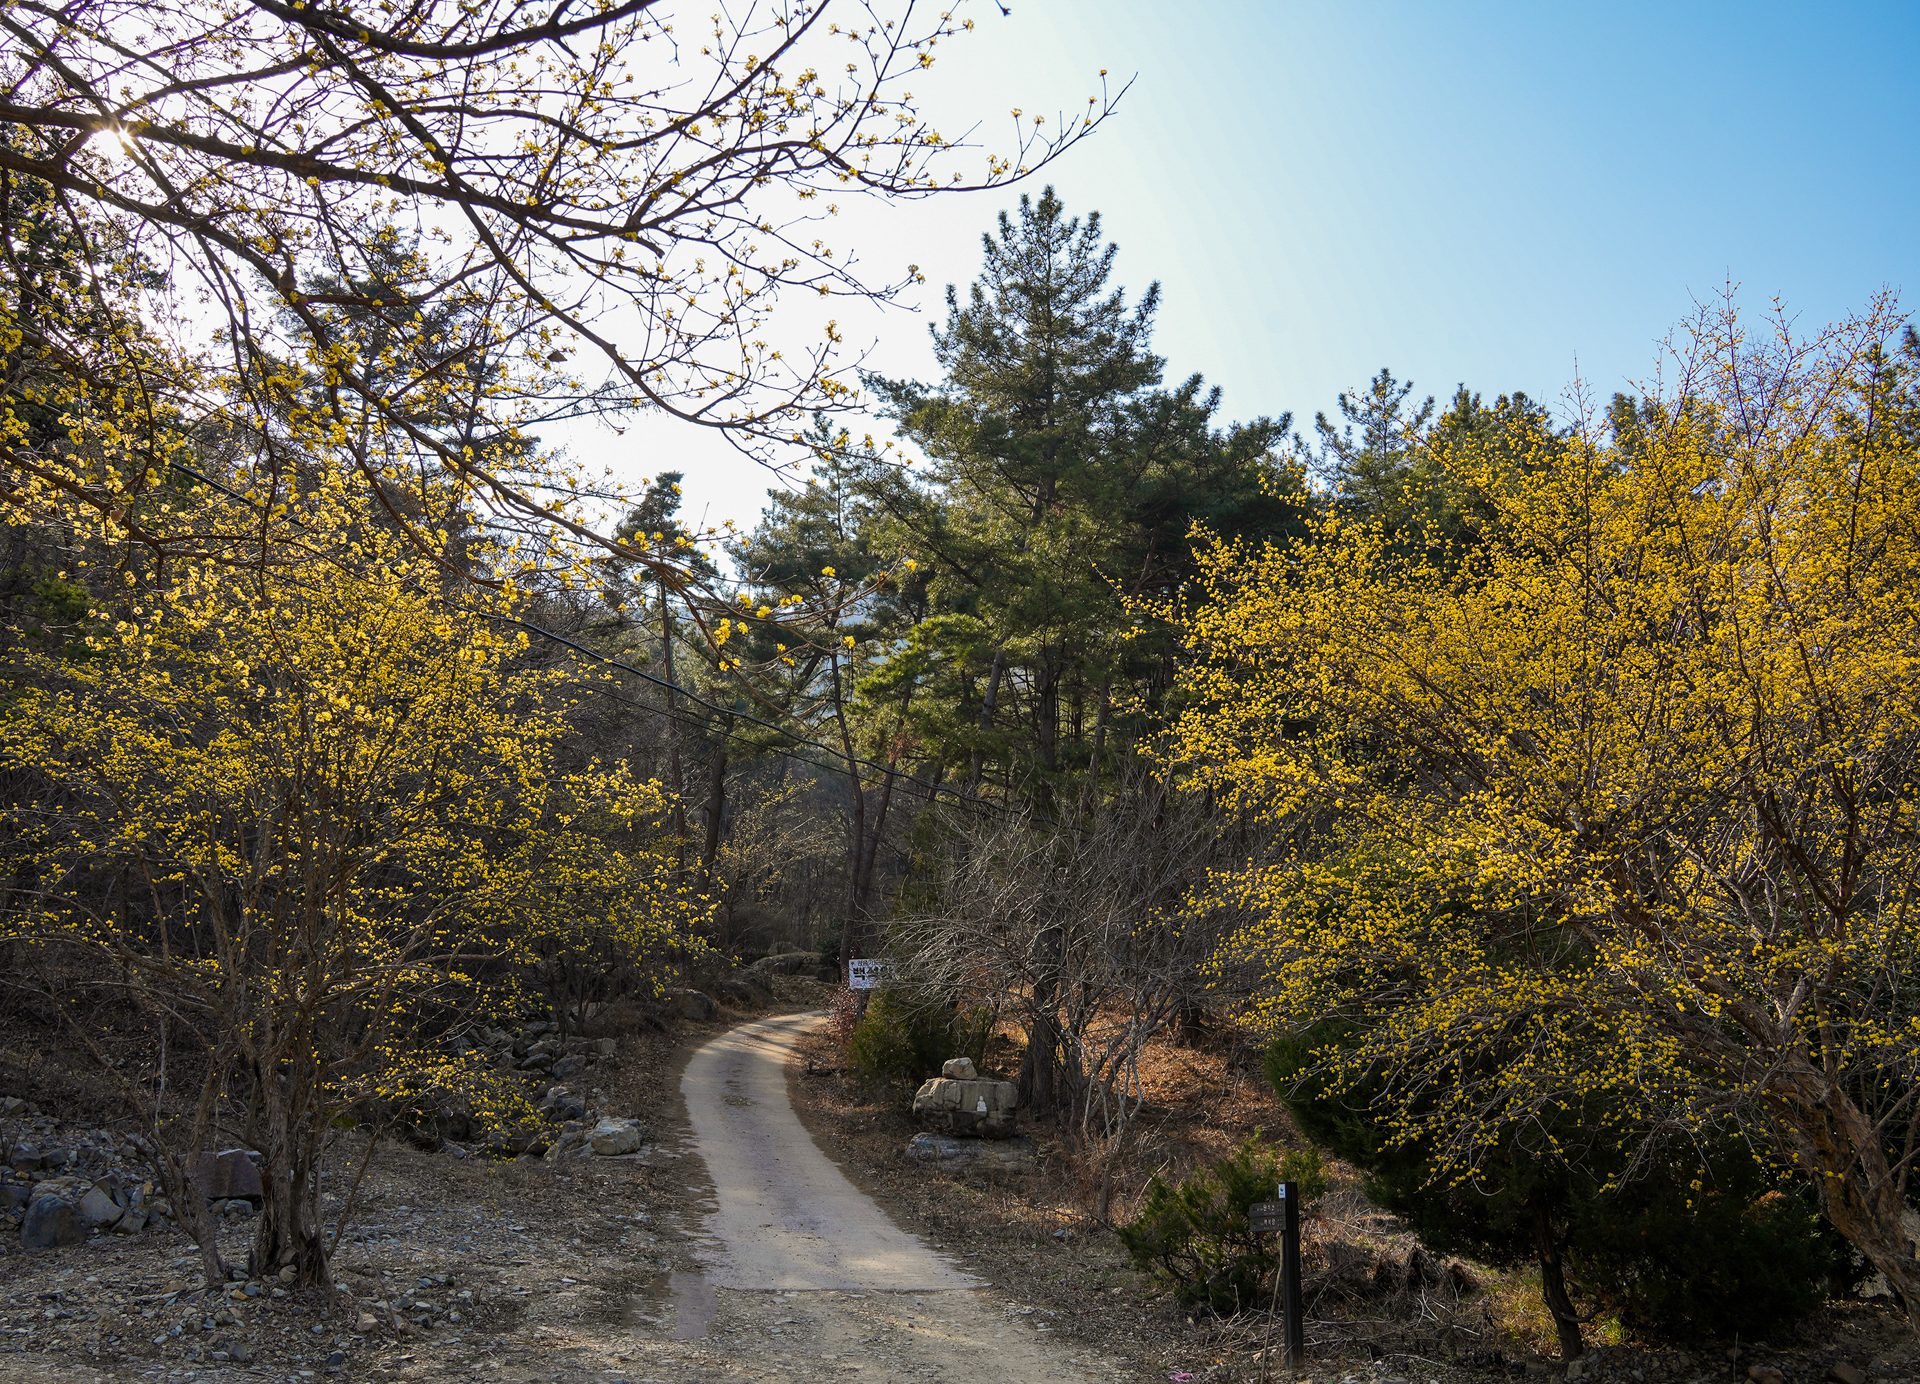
654,1268
786,1217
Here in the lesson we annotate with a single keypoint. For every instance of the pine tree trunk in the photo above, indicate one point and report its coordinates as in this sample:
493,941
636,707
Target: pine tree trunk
1039,1068
716,805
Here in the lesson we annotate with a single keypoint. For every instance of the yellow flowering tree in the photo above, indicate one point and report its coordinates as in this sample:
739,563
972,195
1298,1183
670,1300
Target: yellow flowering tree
301,812
1615,811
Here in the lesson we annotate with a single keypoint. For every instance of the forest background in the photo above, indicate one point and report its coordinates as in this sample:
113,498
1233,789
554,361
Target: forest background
1539,781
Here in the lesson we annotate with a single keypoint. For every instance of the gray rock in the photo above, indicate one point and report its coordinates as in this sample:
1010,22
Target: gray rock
574,1143
983,1109
14,1196
98,1208
696,1005
567,1066
786,964
132,1221
227,1174
612,1137
25,1158
537,1062
959,1069
51,1223
948,1151
740,993
1848,1373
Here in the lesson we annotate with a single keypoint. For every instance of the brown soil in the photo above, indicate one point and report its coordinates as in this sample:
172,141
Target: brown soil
569,1273
1034,1237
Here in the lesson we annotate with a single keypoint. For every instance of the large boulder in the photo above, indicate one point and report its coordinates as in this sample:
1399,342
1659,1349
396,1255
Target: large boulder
227,1174
981,1109
959,1069
51,1223
696,1005
787,964
612,1137
947,1151
745,990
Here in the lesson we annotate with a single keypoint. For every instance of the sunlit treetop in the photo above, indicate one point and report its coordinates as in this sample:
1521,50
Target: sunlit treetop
607,198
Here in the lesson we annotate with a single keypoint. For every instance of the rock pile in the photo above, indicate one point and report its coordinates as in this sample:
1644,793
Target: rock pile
61,1184
547,1063
958,1102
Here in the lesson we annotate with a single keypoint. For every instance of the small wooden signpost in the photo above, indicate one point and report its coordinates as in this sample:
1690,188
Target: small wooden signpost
1282,1217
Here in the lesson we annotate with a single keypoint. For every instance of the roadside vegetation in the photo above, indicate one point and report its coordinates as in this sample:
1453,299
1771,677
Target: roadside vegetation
1525,798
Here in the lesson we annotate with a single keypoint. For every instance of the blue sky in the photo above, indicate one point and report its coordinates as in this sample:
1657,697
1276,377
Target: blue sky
1500,194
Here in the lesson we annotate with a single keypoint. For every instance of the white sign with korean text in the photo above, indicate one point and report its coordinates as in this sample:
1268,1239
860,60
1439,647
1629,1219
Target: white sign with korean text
865,975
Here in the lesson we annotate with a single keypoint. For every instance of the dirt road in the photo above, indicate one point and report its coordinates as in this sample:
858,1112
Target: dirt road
728,1249
801,1273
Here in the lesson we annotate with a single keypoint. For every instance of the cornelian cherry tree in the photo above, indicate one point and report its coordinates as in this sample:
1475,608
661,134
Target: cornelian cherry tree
1618,812
608,198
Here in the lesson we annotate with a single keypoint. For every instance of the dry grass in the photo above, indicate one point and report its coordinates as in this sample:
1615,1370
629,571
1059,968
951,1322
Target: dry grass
1372,1296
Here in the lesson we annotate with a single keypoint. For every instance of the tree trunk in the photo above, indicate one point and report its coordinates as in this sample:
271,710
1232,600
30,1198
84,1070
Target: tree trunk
986,720
673,736
290,1229
1553,1288
1039,1068
852,932
865,899
716,805
1840,1148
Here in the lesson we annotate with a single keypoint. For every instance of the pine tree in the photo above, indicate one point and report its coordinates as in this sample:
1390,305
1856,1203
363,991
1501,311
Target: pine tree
1064,480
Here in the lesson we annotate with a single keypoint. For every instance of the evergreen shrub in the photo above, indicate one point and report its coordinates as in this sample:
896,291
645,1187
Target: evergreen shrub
1195,1239
901,1041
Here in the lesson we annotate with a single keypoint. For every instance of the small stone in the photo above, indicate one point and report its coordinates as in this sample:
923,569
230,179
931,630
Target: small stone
241,1352
1847,1373
287,1274
364,1323
336,1360
613,1137
567,1066
97,1208
959,1069
1765,1374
